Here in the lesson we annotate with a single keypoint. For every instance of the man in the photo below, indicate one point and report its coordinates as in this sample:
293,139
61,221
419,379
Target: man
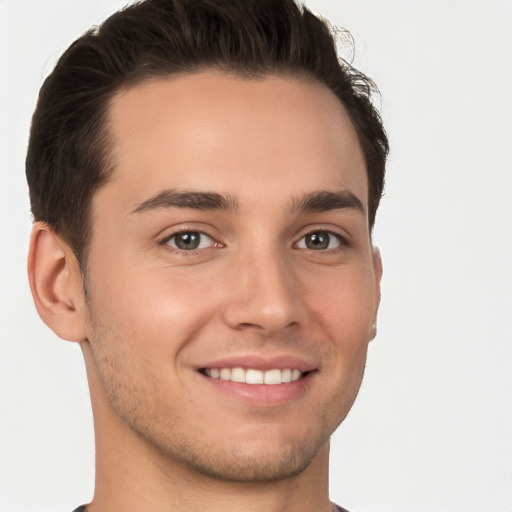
204,177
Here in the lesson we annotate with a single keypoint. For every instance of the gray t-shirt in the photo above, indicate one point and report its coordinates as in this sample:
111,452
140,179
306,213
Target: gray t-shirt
336,508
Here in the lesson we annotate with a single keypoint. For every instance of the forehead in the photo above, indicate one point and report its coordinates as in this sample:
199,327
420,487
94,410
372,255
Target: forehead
239,136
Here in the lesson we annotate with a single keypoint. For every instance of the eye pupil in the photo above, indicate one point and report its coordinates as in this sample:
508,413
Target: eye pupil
317,241
187,241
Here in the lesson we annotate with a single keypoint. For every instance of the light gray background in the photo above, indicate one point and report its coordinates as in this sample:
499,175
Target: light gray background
432,428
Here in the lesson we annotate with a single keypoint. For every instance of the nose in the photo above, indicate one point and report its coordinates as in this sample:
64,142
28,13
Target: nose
263,293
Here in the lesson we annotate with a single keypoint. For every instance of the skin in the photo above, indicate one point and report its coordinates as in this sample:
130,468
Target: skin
168,438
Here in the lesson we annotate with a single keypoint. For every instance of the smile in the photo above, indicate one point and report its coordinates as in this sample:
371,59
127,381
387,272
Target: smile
251,376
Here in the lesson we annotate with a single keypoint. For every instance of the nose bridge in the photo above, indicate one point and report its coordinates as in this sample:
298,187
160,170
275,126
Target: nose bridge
263,290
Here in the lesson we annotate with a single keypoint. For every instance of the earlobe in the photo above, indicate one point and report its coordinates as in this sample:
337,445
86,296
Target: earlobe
56,283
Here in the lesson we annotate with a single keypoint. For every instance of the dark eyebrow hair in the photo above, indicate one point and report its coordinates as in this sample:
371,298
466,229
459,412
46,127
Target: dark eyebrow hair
188,199
323,201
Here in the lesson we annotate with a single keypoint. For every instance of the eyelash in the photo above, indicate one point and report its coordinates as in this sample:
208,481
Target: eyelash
165,242
342,241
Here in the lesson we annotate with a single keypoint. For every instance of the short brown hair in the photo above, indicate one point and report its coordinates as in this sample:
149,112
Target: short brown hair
68,158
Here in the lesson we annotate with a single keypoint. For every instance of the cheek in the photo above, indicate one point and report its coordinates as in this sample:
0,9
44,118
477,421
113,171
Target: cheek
152,307
344,303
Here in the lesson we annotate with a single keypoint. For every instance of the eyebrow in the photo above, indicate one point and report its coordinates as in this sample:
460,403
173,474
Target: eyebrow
188,199
320,201
323,201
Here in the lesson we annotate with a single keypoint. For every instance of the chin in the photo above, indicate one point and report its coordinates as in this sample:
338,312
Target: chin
273,466
265,458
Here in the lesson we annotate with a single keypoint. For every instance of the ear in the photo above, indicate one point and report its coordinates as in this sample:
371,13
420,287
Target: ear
56,283
377,271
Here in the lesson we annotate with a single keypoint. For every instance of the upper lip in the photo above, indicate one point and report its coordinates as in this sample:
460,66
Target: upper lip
261,362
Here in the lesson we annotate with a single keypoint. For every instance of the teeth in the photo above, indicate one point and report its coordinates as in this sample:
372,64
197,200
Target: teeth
225,374
251,376
272,377
237,375
296,374
286,375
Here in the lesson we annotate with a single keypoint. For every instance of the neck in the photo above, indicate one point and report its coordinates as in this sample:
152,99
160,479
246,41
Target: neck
138,479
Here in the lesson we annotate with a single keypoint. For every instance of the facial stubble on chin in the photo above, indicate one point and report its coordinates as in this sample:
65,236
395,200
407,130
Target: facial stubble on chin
291,458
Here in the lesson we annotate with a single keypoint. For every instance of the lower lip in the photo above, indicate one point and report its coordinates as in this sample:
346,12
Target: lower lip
262,395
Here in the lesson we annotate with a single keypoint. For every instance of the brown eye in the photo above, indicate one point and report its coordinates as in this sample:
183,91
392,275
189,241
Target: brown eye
319,241
190,240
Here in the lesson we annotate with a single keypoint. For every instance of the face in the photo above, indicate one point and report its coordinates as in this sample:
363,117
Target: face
232,288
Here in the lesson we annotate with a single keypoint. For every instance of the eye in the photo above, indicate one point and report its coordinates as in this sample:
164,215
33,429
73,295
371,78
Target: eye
320,241
190,241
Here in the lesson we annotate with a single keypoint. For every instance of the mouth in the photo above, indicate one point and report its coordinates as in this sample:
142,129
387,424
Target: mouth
259,381
272,377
